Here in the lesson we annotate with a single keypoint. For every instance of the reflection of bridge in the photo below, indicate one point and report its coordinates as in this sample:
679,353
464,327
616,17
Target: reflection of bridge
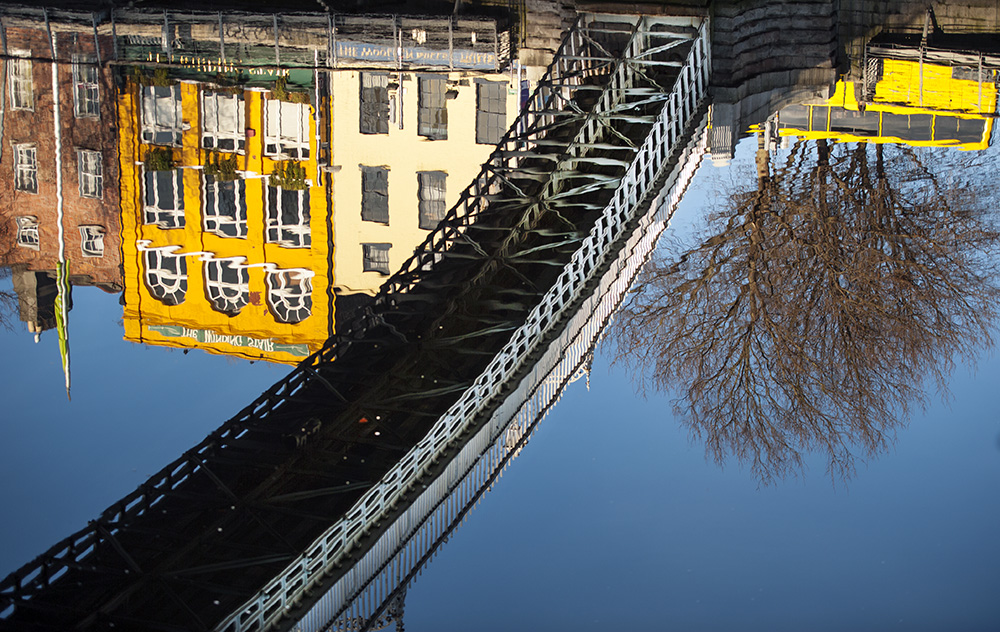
321,500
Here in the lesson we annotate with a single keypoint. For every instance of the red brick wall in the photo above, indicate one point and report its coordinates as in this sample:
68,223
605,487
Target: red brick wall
38,127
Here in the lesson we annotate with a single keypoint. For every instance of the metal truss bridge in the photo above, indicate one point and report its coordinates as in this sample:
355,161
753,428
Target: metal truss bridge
316,505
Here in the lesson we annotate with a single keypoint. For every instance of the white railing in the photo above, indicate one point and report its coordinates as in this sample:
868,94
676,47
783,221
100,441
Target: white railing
534,394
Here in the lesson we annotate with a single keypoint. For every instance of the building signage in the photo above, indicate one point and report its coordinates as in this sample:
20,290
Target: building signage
345,51
461,58
203,336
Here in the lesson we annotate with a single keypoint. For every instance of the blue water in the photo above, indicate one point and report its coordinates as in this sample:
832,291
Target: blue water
611,518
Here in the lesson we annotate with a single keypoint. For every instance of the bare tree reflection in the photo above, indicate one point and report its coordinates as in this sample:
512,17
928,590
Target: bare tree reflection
818,306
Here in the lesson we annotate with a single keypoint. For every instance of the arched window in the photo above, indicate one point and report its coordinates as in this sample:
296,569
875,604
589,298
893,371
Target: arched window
166,276
289,294
227,286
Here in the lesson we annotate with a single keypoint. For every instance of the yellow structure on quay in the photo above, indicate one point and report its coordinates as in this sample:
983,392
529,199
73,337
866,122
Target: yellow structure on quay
915,103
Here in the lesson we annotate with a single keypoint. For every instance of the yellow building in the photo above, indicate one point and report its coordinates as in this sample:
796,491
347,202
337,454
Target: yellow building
405,145
226,238
913,103
228,196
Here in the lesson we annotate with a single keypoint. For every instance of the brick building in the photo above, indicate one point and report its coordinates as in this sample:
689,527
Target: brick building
57,163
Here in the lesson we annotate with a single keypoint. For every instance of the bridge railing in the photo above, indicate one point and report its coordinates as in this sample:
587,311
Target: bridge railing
665,140
214,41
401,553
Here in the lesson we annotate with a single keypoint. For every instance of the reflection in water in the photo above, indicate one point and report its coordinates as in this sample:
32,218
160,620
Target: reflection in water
818,303
245,208
241,210
289,192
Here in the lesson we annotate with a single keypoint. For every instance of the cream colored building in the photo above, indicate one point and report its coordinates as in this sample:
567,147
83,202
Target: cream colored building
405,145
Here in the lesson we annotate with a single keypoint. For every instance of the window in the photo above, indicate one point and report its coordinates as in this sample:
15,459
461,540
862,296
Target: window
794,117
432,115
19,81
225,212
227,285
431,198
288,217
166,276
223,121
162,122
286,129
91,173
376,257
86,90
491,112
912,127
289,293
846,121
374,103
959,129
375,194
25,168
27,232
164,198
92,241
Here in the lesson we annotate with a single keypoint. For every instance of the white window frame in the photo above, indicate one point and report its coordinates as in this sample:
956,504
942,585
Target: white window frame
374,103
491,122
289,295
25,167
165,120
369,263
212,129
92,241
291,235
20,80
90,168
86,87
276,144
167,286
226,296
432,107
27,232
429,197
213,219
157,212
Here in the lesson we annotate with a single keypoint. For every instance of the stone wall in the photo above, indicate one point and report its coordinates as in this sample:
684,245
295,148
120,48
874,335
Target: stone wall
765,56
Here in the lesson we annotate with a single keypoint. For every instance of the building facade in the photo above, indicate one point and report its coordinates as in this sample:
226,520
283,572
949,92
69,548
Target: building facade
405,146
58,197
225,217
